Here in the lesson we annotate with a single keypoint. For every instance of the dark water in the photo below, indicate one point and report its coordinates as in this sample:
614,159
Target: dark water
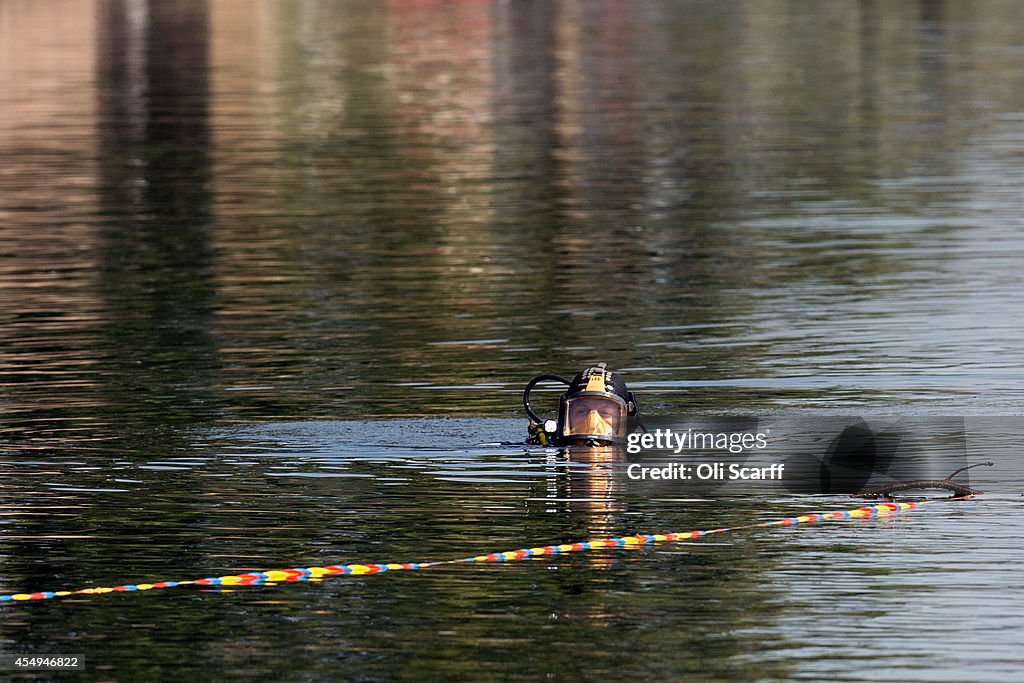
272,275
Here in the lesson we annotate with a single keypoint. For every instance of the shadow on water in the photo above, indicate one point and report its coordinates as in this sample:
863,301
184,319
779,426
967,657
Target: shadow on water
154,196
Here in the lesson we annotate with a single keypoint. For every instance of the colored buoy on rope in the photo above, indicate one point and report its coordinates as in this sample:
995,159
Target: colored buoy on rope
295,574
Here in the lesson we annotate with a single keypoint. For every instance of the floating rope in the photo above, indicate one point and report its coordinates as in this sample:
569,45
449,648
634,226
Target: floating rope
947,483
275,576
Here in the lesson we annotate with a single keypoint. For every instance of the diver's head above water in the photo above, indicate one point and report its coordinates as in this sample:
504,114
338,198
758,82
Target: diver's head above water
594,410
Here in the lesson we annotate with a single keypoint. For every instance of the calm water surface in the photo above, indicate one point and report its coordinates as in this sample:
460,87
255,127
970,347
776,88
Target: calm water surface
273,274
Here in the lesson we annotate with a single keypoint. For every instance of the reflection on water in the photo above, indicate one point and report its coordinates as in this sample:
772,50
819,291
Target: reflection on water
220,212
770,602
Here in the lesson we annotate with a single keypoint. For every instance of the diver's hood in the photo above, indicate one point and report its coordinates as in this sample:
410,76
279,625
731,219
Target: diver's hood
593,411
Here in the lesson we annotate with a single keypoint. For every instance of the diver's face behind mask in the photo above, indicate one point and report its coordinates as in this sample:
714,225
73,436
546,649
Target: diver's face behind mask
594,417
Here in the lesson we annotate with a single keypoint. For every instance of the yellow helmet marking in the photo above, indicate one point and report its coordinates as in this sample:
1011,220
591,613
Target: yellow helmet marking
596,382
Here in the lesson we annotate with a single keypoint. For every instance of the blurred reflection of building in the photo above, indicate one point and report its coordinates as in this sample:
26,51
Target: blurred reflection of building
551,173
49,298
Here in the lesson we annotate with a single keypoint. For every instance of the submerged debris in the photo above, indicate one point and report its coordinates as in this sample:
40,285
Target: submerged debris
947,483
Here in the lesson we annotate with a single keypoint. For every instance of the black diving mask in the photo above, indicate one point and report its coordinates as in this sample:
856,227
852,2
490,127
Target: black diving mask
593,416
